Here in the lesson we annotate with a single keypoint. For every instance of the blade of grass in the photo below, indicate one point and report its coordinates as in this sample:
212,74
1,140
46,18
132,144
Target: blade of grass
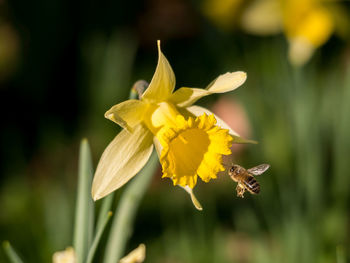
98,235
11,253
125,213
83,230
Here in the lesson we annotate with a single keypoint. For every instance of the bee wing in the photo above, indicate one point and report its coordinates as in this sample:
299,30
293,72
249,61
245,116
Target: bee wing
258,170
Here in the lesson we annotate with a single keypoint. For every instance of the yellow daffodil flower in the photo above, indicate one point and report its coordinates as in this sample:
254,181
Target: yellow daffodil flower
190,140
65,256
307,24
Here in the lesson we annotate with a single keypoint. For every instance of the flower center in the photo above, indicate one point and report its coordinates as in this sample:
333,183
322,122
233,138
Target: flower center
192,148
187,150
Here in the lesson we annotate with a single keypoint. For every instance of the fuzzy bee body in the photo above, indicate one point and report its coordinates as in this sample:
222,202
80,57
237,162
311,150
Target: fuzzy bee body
252,185
245,178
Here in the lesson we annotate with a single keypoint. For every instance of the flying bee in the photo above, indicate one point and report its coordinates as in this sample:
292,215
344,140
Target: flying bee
245,178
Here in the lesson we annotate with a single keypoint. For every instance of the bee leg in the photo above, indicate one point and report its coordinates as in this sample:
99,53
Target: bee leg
240,190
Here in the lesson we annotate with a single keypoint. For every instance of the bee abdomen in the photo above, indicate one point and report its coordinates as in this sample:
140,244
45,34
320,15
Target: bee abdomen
252,185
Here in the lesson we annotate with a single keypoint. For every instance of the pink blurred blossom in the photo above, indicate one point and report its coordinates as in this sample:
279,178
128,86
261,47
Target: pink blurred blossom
234,114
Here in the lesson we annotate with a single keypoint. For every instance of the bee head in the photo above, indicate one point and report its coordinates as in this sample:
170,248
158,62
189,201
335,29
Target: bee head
234,168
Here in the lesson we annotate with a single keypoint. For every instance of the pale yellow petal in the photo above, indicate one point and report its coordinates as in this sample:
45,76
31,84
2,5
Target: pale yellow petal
184,97
300,51
194,200
127,114
263,17
227,82
138,255
122,159
198,111
163,81
158,146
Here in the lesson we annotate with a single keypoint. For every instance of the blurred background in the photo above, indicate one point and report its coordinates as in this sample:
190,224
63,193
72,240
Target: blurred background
64,63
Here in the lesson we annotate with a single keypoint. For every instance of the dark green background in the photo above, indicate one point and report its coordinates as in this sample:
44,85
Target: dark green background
78,58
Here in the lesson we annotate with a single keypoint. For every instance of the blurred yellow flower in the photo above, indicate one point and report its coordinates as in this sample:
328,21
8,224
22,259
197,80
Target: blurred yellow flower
65,256
189,140
136,256
307,24
263,17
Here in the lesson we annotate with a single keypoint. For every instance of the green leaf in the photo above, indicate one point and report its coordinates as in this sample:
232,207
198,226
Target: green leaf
11,253
84,211
121,229
100,228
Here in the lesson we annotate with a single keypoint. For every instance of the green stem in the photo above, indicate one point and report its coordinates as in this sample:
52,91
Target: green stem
105,208
125,213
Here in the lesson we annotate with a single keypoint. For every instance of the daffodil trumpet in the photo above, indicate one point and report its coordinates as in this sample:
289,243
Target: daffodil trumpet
190,140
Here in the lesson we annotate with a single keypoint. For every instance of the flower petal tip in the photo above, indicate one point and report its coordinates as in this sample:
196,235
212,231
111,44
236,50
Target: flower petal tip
196,203
194,200
96,193
109,116
95,197
241,75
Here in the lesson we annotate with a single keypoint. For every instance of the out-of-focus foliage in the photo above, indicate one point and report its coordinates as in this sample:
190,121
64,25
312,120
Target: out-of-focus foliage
70,61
